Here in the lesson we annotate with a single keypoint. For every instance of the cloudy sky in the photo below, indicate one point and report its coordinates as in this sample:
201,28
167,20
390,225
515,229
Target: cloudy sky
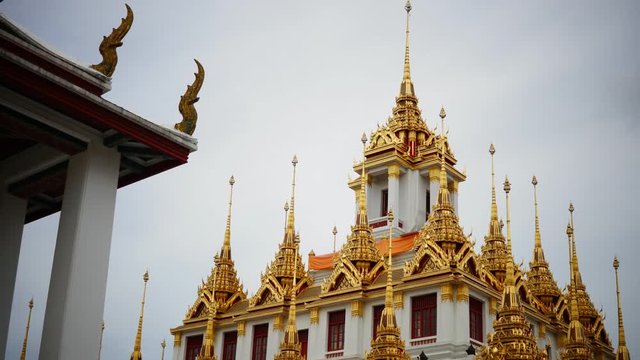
555,85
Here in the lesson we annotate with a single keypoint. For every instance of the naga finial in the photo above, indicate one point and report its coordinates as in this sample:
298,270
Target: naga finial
190,97
110,43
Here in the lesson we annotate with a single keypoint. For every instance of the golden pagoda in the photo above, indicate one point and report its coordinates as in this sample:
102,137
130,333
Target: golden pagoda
207,351
512,337
539,278
494,257
387,345
137,353
622,353
277,280
359,262
290,347
577,344
223,282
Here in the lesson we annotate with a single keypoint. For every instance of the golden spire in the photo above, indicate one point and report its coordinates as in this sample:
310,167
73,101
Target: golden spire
334,232
587,312
290,234
388,345
163,344
226,246
623,352
443,193
507,190
540,279
363,219
290,348
494,257
406,89
576,346
137,354
23,354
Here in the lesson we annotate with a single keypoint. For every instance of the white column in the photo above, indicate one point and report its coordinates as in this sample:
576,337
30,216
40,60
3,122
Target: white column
75,303
445,315
454,195
394,192
12,212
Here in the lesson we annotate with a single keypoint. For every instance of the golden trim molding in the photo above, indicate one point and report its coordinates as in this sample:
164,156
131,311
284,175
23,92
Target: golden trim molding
314,315
542,330
462,295
357,308
394,171
278,322
493,306
446,292
398,299
177,339
434,174
241,328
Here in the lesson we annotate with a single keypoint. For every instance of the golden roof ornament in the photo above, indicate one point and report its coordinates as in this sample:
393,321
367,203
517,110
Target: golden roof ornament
111,43
576,346
539,277
494,256
137,354
387,345
334,232
207,351
622,353
277,280
23,353
187,101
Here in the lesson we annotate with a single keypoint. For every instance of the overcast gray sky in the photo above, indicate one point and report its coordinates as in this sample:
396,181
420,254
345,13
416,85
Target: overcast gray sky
554,84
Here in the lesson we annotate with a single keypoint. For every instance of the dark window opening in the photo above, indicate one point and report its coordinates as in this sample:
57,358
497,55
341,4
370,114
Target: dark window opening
303,336
377,314
194,343
259,346
229,343
475,319
384,202
423,316
336,331
428,198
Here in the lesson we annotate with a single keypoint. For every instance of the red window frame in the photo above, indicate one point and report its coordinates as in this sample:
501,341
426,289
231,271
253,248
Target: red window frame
424,316
335,340
377,314
475,319
229,344
194,344
259,345
303,337
384,202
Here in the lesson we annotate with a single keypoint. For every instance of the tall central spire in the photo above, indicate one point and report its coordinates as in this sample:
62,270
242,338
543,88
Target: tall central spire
290,348
406,89
363,219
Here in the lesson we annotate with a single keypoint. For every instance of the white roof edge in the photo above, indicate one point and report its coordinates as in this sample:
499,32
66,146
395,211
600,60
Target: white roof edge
33,43
175,136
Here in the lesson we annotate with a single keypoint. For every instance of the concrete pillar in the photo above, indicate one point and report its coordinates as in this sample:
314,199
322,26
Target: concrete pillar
446,315
394,192
12,212
434,187
75,303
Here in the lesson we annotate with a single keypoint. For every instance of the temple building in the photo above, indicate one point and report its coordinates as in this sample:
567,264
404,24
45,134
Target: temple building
407,281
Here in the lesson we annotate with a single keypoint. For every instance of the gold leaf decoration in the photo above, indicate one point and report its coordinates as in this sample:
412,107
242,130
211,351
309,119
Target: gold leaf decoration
190,97
110,43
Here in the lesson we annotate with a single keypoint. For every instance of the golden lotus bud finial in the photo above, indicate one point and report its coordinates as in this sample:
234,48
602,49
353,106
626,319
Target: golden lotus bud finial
145,277
407,6
571,208
616,263
31,301
390,215
492,149
507,185
286,206
334,231
294,161
501,224
534,181
363,138
443,114
232,180
163,343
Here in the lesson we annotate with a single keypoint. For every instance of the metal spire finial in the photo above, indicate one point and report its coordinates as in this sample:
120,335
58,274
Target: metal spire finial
137,354
507,190
622,352
226,248
334,232
23,353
